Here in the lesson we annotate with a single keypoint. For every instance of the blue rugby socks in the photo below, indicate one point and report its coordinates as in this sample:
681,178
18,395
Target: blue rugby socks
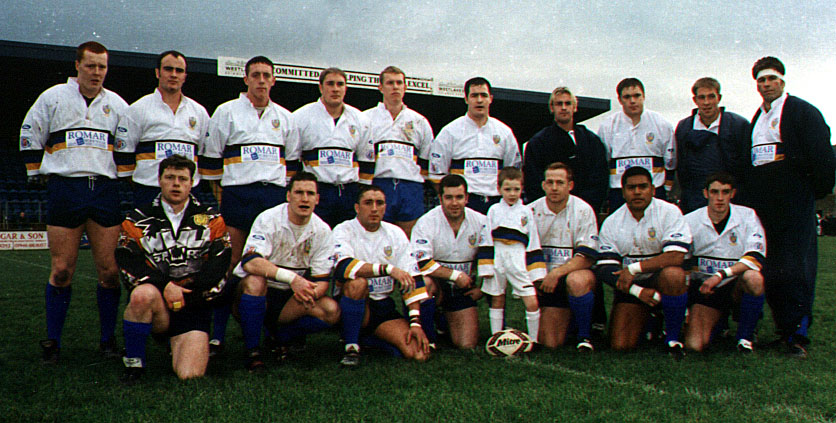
135,335
57,304
352,311
252,310
674,308
220,317
750,311
428,310
108,301
582,313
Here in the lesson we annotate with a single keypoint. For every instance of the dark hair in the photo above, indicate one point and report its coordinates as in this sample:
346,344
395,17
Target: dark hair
508,173
176,161
559,165
475,81
162,55
258,59
451,181
706,82
627,83
91,46
302,176
391,69
767,62
635,171
329,71
366,188
724,178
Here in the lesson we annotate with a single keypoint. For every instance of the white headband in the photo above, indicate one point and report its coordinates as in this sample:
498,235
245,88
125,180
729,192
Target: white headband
769,71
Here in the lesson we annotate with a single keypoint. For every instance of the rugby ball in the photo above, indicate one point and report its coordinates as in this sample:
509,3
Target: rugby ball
508,342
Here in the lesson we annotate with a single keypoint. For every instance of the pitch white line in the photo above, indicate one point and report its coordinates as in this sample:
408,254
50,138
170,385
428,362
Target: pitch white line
721,396
41,266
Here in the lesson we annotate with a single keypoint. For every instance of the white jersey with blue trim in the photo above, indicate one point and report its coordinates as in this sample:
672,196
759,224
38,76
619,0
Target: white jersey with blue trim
625,240
400,147
273,238
387,245
573,230
253,148
77,139
649,144
767,145
434,244
151,131
741,240
477,153
329,150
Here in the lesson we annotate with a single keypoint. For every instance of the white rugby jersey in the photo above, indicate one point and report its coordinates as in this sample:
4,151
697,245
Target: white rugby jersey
387,245
76,140
767,146
742,240
253,148
400,147
329,150
272,238
572,231
650,144
434,244
515,225
623,240
150,131
463,148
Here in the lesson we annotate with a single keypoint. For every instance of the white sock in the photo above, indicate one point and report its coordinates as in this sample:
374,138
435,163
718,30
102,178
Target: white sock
532,319
497,317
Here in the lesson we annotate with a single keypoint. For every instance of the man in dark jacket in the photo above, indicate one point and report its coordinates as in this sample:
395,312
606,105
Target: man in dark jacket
791,164
172,255
705,143
569,143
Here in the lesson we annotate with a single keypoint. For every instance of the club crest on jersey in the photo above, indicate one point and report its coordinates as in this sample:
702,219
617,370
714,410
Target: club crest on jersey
200,219
24,142
651,233
408,130
650,137
120,143
496,139
472,239
106,109
352,130
733,238
523,220
275,123
387,251
192,122
774,123
308,244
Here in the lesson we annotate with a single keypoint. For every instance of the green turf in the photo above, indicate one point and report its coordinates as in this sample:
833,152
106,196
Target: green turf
641,386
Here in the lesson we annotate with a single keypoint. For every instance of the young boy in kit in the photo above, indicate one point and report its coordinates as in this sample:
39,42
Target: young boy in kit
516,254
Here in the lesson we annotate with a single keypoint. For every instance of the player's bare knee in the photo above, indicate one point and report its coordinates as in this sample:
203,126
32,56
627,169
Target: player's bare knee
695,344
61,276
356,289
254,285
331,310
620,343
190,373
753,282
142,297
672,281
580,282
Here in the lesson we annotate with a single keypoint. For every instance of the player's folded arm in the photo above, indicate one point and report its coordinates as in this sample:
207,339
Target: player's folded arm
136,268
210,278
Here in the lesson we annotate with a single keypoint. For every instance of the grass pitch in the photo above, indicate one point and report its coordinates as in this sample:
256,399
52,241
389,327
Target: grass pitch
642,386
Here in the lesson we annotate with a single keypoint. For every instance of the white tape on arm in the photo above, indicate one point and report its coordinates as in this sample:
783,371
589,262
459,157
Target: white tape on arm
284,275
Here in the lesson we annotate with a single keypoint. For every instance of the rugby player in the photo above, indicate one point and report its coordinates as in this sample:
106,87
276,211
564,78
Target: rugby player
637,137
173,255
569,239
67,135
446,241
332,137
158,125
706,143
726,257
641,249
284,273
401,140
370,256
792,163
572,144
252,149
476,146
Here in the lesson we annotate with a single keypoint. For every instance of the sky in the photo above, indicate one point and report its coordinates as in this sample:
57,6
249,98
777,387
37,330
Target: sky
531,45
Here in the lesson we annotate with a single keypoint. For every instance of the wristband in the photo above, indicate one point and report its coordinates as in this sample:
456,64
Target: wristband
454,275
414,313
381,269
635,268
728,272
415,325
636,290
284,275
719,274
